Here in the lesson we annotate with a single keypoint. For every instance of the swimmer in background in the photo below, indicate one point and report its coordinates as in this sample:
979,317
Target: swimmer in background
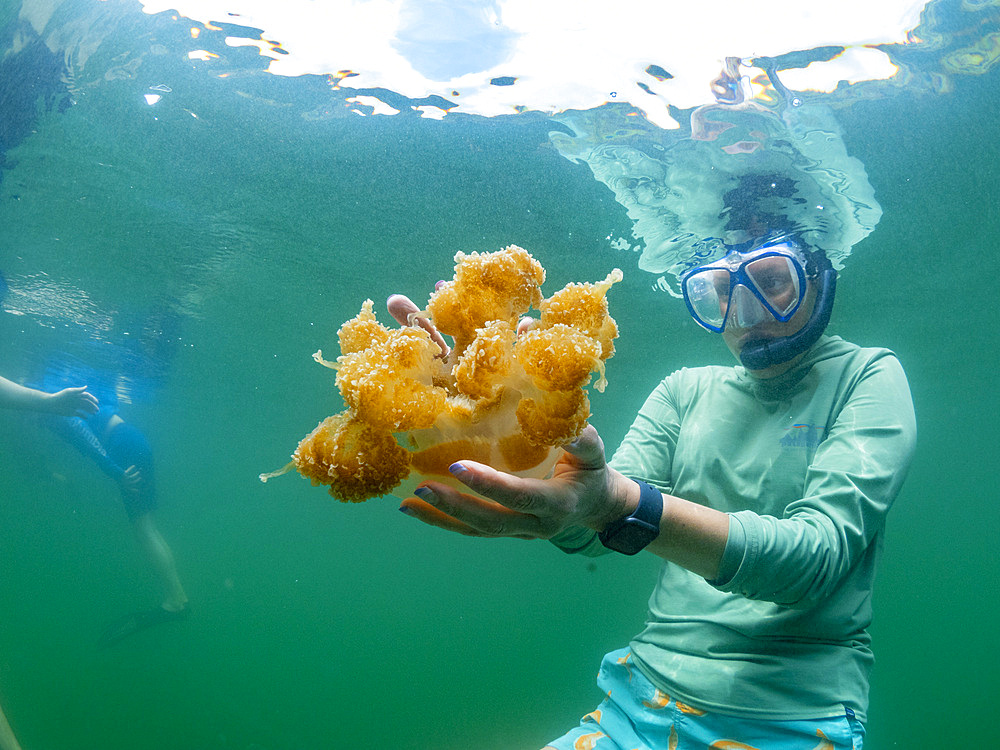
122,452
93,426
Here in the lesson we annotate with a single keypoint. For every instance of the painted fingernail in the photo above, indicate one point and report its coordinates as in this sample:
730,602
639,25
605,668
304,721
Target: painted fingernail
405,510
425,493
457,468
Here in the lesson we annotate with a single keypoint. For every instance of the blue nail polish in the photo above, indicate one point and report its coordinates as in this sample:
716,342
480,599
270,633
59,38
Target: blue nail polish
457,468
427,495
406,511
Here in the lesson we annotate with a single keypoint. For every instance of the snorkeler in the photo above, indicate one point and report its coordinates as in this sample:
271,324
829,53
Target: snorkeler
764,488
91,424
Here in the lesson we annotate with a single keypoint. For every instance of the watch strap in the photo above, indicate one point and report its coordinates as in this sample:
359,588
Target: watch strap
650,508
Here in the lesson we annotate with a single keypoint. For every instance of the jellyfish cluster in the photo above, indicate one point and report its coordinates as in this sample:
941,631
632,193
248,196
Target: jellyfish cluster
506,395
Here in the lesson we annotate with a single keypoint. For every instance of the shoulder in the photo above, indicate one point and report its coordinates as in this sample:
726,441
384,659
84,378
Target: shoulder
855,361
695,378
871,381
689,386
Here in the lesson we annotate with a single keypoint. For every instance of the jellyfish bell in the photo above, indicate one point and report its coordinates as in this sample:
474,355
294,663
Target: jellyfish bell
504,395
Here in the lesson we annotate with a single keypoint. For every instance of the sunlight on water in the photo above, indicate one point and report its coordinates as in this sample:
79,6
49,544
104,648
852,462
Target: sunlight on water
503,56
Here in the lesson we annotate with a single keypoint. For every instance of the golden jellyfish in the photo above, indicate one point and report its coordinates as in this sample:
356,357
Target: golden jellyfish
501,397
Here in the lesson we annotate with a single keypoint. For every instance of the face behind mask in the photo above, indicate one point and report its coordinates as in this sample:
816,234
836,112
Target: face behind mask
745,289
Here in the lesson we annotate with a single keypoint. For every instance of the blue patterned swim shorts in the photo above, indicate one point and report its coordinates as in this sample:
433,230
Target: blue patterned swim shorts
638,716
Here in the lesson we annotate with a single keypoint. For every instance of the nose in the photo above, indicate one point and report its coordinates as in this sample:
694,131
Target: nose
745,310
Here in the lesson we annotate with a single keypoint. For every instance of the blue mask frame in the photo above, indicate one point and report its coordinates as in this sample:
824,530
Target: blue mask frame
740,277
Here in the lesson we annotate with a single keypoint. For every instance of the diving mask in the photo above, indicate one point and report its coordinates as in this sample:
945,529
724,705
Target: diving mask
744,287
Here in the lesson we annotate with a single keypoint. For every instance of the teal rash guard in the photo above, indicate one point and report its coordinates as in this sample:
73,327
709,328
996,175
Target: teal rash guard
807,466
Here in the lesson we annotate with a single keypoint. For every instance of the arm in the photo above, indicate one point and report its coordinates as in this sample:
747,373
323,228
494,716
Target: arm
857,471
7,739
69,402
583,492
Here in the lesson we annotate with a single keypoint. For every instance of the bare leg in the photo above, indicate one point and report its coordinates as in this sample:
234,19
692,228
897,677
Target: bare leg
174,605
161,557
7,739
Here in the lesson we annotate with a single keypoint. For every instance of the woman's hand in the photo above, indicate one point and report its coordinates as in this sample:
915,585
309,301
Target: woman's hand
130,480
583,491
401,308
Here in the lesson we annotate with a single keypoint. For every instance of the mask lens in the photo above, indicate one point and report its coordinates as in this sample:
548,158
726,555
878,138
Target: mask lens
777,279
747,311
707,294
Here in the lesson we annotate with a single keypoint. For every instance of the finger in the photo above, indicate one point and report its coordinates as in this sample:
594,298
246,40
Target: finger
402,309
430,515
525,324
526,498
436,337
587,449
484,517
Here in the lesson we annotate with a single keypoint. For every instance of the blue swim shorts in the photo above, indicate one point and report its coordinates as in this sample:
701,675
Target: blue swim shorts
638,716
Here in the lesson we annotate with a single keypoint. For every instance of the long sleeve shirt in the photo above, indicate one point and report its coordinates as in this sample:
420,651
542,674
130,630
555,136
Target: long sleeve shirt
807,466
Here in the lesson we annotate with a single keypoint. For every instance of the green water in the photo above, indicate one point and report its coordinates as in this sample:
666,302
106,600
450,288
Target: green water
317,625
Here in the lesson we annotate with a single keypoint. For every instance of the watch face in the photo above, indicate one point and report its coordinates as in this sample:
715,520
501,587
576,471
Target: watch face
633,533
629,536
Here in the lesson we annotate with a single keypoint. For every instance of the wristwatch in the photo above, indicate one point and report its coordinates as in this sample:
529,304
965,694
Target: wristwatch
631,534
